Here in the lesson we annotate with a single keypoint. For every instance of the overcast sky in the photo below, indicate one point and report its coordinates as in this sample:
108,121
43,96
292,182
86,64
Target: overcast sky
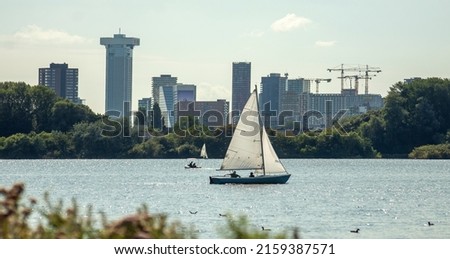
197,40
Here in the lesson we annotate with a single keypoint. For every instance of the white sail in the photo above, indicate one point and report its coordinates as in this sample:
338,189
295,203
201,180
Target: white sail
250,149
245,149
272,163
203,153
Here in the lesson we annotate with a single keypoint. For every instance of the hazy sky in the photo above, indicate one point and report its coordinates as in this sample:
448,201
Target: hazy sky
197,40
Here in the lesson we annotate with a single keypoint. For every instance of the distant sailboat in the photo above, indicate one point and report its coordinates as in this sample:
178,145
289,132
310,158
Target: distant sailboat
250,149
203,153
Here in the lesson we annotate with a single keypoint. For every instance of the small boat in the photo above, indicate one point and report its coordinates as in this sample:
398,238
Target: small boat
250,150
192,164
203,153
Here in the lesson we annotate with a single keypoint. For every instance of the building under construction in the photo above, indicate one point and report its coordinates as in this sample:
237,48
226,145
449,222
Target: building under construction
295,100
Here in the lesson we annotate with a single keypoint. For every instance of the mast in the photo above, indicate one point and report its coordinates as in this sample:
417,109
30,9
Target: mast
261,128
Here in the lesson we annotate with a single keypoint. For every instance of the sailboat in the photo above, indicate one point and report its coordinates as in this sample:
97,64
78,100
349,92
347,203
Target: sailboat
250,150
203,153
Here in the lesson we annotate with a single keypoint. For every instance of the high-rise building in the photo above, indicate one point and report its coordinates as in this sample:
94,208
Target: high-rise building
183,93
209,113
272,87
61,79
240,91
213,113
119,64
297,85
162,80
293,101
170,96
145,104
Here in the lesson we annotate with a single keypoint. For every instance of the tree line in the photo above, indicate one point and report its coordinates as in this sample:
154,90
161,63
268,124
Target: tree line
35,123
415,114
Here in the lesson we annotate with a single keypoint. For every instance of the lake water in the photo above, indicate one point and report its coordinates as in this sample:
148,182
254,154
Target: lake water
324,198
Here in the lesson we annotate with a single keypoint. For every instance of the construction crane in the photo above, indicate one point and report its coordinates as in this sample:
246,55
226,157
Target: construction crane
342,69
363,74
318,80
356,77
367,76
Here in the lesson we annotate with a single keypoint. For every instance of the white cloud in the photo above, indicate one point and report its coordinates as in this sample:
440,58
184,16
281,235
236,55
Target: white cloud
33,34
290,22
325,43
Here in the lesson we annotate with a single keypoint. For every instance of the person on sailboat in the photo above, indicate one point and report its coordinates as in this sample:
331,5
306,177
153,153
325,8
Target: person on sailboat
192,165
235,175
251,174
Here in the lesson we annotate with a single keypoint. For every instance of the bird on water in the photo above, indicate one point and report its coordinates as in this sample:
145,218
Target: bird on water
355,231
265,229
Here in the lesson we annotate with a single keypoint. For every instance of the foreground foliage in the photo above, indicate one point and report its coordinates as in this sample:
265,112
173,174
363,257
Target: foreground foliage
59,222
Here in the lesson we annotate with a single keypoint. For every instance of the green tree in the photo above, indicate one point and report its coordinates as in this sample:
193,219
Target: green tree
65,114
24,109
19,146
335,145
15,108
286,146
187,150
375,131
424,123
53,144
42,100
157,117
396,117
89,142
440,151
141,117
416,113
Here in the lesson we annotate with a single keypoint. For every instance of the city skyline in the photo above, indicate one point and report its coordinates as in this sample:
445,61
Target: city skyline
198,42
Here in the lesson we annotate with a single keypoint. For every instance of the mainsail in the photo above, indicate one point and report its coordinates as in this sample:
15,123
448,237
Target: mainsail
245,150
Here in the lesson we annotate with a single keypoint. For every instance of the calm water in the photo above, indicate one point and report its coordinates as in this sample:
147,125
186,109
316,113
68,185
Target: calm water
324,198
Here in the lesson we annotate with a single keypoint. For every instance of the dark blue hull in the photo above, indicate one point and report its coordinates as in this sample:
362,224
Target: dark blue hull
263,179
